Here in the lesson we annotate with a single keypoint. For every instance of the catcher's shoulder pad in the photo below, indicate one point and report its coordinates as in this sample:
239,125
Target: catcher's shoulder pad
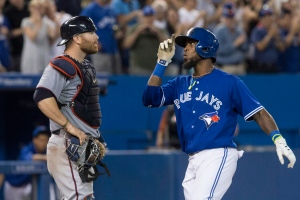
64,65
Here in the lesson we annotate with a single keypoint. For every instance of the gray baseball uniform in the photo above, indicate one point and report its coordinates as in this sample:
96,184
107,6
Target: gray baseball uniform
64,172
64,90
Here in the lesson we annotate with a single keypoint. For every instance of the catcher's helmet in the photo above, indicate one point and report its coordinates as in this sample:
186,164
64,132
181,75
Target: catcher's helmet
74,26
207,45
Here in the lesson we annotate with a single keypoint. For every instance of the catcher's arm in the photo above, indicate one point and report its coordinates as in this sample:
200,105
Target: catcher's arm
49,108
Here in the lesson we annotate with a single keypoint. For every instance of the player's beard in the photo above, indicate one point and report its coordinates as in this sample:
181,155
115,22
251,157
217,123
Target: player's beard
88,47
189,64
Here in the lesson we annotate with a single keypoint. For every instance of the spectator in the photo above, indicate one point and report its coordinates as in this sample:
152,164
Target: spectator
58,18
289,59
144,34
249,16
4,45
19,186
175,3
128,13
73,8
190,16
36,30
233,43
108,58
160,7
213,10
15,12
266,39
167,136
175,27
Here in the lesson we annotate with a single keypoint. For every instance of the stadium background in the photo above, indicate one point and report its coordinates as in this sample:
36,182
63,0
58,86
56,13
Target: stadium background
141,173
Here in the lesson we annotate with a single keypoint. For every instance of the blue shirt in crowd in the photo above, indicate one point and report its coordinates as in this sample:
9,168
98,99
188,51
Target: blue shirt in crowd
21,179
104,19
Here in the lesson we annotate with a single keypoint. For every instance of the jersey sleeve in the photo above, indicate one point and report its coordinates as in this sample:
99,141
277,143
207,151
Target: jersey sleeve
156,96
52,80
153,96
244,102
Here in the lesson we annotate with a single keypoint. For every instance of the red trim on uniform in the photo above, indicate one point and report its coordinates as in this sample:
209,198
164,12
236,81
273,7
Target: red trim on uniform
71,169
59,69
78,90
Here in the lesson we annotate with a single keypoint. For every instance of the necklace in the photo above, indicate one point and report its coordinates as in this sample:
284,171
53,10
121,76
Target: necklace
193,82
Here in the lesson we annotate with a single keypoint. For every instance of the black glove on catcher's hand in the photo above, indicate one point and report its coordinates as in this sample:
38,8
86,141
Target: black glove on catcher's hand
87,156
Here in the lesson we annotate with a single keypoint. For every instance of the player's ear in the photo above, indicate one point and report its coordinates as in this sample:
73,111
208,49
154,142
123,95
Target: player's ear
77,39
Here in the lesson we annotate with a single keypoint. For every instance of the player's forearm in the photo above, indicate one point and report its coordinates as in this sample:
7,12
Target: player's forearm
49,107
154,80
265,121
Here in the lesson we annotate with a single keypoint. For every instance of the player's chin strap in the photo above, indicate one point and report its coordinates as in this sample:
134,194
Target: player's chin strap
87,176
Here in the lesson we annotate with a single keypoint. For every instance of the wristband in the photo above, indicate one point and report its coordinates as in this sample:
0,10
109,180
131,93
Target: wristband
163,62
275,135
159,70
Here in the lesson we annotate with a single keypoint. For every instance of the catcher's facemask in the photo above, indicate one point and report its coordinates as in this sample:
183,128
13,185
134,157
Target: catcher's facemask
86,156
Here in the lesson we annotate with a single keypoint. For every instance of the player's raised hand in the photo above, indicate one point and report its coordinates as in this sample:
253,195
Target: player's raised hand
166,49
283,149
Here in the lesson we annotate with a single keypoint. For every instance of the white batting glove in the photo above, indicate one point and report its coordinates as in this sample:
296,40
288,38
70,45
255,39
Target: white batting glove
283,149
166,50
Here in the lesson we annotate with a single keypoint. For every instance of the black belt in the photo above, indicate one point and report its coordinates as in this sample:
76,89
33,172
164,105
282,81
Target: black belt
57,132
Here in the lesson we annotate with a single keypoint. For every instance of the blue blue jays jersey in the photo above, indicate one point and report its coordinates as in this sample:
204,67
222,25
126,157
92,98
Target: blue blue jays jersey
206,108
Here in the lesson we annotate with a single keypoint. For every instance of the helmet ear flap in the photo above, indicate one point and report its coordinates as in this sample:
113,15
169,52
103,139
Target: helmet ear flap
205,49
207,45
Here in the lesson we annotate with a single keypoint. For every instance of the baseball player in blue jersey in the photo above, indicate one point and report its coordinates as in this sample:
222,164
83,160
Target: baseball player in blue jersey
207,104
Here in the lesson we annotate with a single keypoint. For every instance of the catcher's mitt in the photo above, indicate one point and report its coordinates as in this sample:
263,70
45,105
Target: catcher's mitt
87,156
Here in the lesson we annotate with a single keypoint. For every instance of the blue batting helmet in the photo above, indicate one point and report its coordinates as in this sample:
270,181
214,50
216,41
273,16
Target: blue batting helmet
207,45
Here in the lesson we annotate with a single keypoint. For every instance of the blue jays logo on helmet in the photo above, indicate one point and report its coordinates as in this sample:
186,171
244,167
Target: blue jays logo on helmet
210,118
207,43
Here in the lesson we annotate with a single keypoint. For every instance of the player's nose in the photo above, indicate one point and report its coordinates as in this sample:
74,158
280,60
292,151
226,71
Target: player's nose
96,36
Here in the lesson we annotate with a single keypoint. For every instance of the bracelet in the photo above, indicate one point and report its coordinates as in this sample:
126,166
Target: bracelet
159,70
65,124
275,135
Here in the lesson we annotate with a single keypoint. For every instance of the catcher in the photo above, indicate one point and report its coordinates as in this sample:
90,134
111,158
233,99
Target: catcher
68,94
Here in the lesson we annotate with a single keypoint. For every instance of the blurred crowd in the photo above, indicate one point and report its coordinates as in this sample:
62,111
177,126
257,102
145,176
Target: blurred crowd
255,36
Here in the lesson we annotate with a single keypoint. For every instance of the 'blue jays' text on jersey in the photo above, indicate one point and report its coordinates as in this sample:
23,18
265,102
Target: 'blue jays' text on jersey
206,108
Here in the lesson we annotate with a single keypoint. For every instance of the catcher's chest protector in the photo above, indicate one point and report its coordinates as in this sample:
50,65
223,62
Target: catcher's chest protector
85,104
